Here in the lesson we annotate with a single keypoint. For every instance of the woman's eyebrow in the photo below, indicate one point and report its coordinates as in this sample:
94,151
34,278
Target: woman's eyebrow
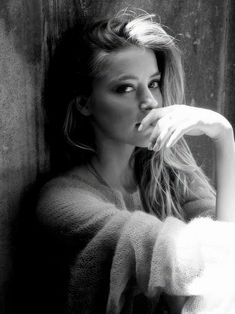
126,77
132,77
156,74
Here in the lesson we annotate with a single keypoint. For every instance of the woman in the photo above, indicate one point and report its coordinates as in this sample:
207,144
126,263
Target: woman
133,186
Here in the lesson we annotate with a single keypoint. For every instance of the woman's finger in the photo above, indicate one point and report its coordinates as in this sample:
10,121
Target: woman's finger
161,132
179,132
162,139
153,116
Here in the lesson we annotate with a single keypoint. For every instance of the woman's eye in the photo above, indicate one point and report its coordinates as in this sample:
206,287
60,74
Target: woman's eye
124,89
154,84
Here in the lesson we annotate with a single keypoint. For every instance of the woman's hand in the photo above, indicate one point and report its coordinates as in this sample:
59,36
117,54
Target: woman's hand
171,123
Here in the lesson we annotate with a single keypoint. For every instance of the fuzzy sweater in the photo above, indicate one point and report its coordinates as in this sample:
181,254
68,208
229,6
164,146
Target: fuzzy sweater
120,259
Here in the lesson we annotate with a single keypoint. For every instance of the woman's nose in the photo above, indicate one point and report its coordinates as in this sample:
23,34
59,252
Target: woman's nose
148,104
147,100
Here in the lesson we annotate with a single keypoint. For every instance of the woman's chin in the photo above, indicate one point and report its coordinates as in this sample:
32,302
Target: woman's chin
142,144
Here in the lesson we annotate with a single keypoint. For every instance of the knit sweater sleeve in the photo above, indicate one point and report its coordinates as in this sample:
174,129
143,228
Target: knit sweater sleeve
126,246
104,235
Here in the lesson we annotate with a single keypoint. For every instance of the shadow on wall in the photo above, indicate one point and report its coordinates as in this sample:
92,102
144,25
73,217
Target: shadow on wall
22,151
63,84
27,291
21,290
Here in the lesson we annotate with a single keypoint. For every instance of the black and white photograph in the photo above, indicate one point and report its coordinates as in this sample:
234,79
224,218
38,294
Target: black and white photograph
117,157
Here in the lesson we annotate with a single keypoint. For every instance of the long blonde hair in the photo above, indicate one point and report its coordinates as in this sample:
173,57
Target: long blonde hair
163,177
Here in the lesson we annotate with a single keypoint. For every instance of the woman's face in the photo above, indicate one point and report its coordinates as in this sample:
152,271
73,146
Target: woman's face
129,81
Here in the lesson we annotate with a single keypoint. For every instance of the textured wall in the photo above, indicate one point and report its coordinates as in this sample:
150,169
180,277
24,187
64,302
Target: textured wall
229,64
22,151
28,30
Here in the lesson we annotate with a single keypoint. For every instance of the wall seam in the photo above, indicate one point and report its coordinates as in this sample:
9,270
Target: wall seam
223,60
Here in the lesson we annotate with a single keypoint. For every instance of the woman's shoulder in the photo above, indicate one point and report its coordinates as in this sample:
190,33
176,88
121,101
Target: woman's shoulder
71,196
72,179
76,184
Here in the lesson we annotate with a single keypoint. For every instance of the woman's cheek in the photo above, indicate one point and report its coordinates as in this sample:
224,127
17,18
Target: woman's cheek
119,112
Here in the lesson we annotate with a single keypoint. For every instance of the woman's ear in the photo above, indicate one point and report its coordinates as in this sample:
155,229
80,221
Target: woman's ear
83,105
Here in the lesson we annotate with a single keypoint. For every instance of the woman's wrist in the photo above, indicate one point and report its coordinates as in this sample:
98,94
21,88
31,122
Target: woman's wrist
225,175
225,137
225,141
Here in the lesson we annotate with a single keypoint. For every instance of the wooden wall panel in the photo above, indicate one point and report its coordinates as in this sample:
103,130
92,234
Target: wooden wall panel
28,32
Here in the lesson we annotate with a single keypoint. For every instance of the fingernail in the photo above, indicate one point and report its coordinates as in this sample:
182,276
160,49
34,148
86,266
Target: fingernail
144,106
156,147
140,127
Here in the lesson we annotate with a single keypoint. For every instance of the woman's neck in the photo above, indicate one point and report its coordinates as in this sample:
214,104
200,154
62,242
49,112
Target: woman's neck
116,169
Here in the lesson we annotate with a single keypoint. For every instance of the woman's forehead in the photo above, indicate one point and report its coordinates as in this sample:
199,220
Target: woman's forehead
131,61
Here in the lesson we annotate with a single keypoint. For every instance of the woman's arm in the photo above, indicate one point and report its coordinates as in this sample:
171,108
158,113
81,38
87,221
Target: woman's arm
114,246
225,176
107,242
172,122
